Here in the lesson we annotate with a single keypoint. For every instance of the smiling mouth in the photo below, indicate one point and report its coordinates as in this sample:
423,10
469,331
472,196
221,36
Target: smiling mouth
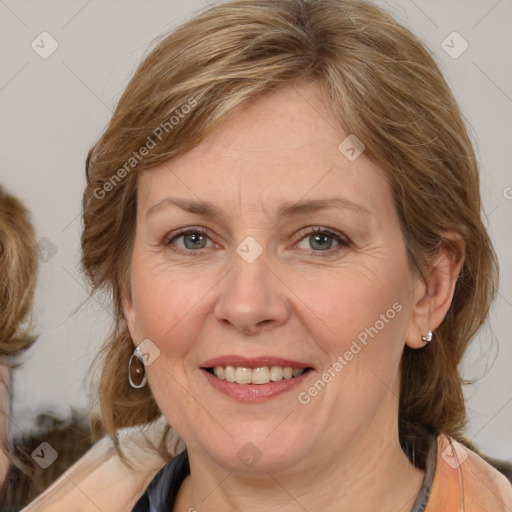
259,375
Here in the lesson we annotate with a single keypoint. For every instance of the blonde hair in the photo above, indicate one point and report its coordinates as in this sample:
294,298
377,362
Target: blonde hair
18,271
18,274
382,85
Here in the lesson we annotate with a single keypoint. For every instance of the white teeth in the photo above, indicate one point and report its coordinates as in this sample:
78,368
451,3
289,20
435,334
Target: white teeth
229,373
219,372
287,372
261,375
243,375
276,373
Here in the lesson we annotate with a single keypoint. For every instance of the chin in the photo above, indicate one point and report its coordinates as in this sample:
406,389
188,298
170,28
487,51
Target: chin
257,452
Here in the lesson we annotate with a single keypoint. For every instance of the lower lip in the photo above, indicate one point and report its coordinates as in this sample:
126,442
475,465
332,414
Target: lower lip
254,392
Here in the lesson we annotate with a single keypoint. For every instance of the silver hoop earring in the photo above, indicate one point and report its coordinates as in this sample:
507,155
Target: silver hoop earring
427,338
136,369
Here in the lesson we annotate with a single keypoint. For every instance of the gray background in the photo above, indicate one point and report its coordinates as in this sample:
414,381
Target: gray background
53,109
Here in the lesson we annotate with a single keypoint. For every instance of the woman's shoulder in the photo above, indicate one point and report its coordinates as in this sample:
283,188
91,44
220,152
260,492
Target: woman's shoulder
100,480
461,474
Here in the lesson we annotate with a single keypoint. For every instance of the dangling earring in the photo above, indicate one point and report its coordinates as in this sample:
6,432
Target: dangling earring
136,368
427,338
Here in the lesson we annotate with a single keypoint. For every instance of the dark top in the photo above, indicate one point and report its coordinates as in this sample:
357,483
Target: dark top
161,493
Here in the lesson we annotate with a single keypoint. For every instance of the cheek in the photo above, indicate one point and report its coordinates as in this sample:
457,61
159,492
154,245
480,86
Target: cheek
369,319
363,320
161,302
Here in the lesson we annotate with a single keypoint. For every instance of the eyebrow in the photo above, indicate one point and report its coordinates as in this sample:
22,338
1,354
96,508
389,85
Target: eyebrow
208,209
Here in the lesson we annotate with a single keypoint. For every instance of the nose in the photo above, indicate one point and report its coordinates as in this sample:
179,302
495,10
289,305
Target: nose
253,298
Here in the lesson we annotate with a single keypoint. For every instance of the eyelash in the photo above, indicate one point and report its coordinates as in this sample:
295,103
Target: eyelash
343,241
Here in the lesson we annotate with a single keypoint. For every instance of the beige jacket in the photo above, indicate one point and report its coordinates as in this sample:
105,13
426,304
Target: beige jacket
99,481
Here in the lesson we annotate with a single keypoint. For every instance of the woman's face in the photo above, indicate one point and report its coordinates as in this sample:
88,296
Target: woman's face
252,285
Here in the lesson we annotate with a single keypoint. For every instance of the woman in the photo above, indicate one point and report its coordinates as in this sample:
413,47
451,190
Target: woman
285,207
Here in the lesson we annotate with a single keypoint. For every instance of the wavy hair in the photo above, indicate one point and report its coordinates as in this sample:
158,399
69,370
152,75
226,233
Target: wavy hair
18,275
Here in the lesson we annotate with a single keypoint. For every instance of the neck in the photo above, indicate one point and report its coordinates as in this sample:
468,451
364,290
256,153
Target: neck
5,412
369,473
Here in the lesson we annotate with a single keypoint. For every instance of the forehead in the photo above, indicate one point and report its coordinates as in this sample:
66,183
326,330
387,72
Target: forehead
284,145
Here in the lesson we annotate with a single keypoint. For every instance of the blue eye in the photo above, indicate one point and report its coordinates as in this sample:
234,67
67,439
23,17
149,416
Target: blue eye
321,240
193,240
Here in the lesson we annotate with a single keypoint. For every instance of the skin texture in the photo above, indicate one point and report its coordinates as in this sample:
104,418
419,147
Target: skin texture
294,301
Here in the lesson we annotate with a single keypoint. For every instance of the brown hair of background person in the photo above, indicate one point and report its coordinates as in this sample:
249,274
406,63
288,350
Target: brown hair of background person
382,85
18,265
18,271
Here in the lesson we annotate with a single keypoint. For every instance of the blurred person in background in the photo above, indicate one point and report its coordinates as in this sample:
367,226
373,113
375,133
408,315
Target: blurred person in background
18,272
21,479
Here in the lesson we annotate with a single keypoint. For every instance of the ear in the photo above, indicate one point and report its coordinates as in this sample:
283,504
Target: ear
433,294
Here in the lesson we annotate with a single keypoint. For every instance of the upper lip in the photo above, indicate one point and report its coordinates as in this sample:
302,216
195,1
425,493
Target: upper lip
253,362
